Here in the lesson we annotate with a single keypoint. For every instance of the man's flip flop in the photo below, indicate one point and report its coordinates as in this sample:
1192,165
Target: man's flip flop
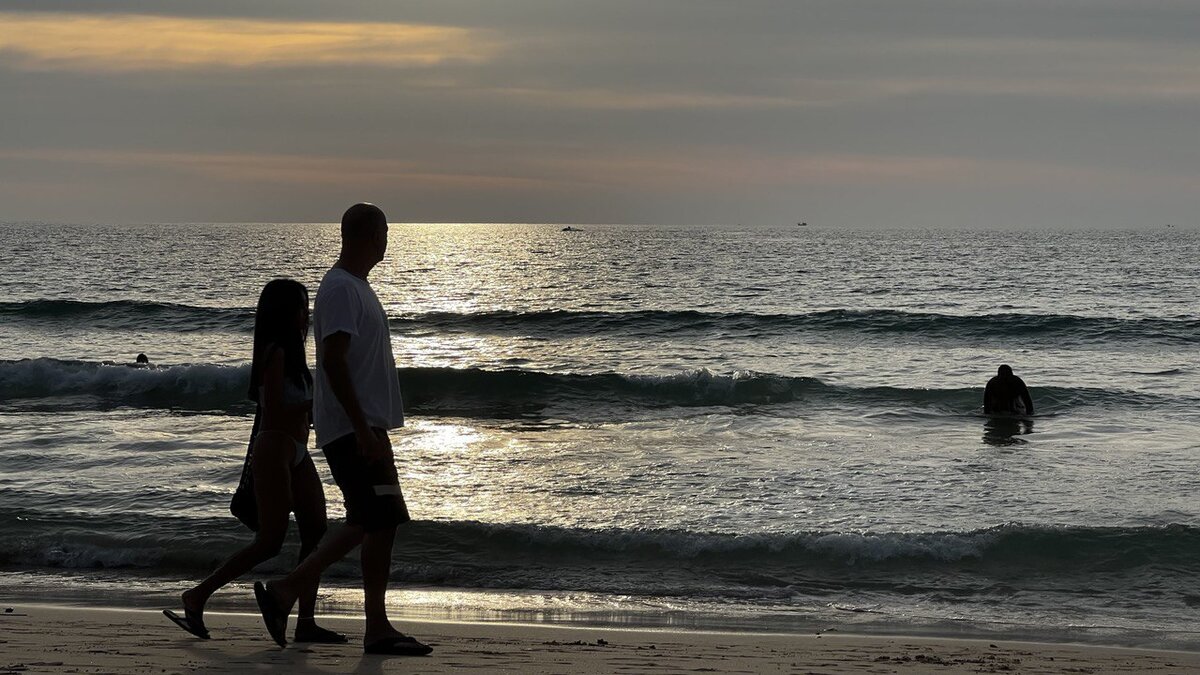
401,645
273,617
192,622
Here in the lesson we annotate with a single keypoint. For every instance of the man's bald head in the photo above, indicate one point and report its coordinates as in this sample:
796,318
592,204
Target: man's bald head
364,238
361,222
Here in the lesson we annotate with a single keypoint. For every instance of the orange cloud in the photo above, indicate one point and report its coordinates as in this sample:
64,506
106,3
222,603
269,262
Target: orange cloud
43,40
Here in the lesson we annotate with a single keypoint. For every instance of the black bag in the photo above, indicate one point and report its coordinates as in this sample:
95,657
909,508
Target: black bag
243,506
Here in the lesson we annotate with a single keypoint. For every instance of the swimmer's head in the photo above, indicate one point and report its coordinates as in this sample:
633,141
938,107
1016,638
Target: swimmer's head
142,358
1004,370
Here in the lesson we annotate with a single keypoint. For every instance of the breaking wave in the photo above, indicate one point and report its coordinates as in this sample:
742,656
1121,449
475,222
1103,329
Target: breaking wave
477,392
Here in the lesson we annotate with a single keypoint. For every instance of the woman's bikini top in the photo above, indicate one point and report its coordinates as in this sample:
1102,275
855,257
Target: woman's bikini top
293,393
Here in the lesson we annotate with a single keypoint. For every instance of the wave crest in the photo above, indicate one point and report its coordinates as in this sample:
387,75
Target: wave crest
199,387
514,392
1059,328
130,314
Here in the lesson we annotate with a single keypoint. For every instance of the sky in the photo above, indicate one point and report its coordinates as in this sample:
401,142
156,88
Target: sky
876,113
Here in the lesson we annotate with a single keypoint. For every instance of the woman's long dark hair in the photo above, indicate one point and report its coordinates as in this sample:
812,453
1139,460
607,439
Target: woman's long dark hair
275,324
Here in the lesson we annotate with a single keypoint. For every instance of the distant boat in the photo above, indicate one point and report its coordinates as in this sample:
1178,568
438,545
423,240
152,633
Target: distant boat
801,224
570,229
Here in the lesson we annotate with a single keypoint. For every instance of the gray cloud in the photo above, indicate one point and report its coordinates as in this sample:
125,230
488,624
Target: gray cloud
966,112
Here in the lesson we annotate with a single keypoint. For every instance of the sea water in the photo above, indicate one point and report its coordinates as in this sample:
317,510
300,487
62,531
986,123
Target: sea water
764,428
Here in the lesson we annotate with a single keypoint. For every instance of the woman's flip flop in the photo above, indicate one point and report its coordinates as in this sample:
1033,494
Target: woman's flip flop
192,622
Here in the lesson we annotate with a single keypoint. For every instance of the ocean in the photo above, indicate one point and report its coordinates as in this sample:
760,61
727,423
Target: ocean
775,429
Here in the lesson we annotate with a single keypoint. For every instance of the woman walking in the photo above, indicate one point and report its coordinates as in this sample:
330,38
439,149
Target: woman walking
284,477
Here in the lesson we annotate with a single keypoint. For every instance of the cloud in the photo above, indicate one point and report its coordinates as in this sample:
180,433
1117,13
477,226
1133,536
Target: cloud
624,109
1099,68
132,42
684,170
298,171
584,98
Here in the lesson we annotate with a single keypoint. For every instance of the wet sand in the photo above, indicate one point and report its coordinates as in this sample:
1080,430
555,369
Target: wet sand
51,639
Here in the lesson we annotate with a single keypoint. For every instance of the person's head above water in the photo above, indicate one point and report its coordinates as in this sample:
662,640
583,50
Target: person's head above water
1004,370
142,358
364,236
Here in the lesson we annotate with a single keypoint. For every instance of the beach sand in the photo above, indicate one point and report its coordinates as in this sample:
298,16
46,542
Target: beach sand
45,639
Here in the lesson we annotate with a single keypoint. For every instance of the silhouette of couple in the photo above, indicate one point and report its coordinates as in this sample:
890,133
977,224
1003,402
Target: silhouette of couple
353,400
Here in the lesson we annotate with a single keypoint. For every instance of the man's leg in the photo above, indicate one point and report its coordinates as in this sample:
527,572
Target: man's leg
308,573
383,513
380,637
376,559
374,508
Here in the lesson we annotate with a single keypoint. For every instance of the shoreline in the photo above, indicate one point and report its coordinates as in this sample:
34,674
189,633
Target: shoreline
119,590
63,638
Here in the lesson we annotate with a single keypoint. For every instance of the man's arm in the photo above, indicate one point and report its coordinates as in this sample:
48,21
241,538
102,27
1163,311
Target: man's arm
1026,399
987,398
370,444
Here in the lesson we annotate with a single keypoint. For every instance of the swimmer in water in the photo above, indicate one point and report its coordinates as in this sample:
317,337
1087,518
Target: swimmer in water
1007,394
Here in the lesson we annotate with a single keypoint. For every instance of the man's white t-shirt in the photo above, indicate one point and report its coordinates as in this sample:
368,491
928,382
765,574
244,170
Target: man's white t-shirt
346,304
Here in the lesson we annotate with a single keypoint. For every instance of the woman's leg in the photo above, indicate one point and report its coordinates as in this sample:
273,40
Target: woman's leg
272,468
308,503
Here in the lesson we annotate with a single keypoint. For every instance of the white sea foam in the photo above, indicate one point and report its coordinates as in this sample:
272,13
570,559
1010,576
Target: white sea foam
52,377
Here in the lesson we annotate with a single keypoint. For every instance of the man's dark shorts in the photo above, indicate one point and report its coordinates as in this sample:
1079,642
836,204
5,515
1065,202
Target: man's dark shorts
371,489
